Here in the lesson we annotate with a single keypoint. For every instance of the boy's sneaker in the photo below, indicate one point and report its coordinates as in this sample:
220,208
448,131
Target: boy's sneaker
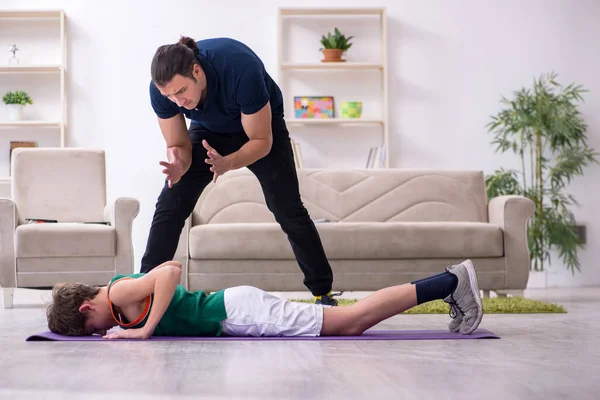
327,299
455,315
465,300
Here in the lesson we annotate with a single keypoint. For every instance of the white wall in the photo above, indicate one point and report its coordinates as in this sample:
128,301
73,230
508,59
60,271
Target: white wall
449,64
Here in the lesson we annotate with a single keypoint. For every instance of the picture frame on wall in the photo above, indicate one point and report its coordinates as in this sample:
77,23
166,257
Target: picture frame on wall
316,107
14,145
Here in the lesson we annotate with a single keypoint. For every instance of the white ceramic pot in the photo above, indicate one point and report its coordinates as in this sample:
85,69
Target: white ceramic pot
15,112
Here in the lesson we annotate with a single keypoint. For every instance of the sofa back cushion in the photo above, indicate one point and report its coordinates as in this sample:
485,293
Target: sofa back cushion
370,195
65,184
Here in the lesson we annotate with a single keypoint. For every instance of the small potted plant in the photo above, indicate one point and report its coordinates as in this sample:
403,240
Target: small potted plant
334,46
15,101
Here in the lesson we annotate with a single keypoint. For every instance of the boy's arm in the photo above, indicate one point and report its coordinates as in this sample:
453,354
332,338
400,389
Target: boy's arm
162,281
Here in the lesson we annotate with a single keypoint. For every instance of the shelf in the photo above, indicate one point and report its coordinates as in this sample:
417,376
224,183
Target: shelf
330,11
4,179
316,74
30,69
332,121
47,75
17,124
30,14
332,65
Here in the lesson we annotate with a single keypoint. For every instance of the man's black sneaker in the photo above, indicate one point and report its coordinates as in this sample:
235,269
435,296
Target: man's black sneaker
327,299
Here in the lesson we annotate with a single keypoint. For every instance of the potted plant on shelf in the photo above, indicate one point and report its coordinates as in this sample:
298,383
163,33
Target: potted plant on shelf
334,46
15,101
545,129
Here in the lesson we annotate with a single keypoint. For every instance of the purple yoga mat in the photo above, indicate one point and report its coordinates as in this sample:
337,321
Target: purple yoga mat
368,335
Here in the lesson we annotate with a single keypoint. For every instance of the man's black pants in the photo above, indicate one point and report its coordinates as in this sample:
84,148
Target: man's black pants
276,173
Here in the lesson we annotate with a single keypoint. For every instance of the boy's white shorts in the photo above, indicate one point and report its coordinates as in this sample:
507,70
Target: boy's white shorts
254,312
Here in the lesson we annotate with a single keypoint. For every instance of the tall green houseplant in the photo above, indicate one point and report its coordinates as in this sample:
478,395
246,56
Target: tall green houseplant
544,127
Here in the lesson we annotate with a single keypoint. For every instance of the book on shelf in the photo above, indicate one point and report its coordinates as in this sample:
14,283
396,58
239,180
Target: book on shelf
297,154
376,158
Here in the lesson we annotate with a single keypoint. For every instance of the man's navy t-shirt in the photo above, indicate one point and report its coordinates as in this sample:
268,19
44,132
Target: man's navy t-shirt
237,82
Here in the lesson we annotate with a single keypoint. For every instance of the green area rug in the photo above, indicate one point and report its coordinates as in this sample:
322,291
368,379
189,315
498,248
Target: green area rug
491,305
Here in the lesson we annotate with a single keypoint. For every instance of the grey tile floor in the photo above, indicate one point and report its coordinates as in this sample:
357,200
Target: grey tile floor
539,357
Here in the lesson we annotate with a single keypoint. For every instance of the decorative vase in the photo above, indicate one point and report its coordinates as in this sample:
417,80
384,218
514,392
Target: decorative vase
332,55
15,112
351,109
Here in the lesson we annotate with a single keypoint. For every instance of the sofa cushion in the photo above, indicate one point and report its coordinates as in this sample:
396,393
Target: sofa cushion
65,240
373,195
351,240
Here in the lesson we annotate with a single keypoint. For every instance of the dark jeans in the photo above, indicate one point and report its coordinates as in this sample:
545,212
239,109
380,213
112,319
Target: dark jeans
277,176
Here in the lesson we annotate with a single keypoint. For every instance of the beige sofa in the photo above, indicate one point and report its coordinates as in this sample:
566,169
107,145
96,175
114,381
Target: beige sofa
388,226
67,185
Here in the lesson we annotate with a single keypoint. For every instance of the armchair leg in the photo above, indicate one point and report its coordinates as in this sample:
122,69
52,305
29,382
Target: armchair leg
8,293
514,293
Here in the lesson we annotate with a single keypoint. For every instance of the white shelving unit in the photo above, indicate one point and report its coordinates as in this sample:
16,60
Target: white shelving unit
353,68
30,69
334,121
329,66
17,124
39,66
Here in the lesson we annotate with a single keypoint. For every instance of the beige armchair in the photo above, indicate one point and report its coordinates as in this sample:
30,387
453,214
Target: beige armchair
90,243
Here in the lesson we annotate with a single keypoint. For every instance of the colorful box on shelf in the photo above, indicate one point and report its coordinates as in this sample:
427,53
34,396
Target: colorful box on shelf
318,107
351,109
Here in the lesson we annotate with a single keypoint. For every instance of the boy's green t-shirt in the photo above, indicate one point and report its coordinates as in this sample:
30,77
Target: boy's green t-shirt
188,314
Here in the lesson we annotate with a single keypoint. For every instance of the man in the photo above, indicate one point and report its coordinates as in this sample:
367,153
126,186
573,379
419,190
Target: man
237,120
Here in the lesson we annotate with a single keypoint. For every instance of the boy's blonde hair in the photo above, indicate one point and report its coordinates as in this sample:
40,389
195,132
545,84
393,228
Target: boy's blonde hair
63,313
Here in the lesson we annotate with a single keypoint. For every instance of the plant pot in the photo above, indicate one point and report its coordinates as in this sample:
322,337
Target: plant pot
537,279
332,55
15,112
351,109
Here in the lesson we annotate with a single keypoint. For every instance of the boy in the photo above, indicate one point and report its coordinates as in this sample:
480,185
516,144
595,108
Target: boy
154,304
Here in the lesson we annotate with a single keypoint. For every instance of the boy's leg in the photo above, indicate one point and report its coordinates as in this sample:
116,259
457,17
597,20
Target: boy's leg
254,312
458,284
455,314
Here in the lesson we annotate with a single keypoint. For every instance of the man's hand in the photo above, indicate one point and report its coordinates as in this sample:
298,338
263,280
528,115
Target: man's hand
139,333
174,168
220,164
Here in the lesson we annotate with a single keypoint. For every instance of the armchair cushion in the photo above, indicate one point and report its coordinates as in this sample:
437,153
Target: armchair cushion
65,240
48,182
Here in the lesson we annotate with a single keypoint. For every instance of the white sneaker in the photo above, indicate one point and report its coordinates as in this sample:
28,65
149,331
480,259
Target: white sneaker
455,315
464,300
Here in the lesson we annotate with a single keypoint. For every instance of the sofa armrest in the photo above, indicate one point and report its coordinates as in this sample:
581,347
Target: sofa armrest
8,223
182,253
512,213
121,214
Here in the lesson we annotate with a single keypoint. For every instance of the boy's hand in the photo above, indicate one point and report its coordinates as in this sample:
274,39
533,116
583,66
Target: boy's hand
139,333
